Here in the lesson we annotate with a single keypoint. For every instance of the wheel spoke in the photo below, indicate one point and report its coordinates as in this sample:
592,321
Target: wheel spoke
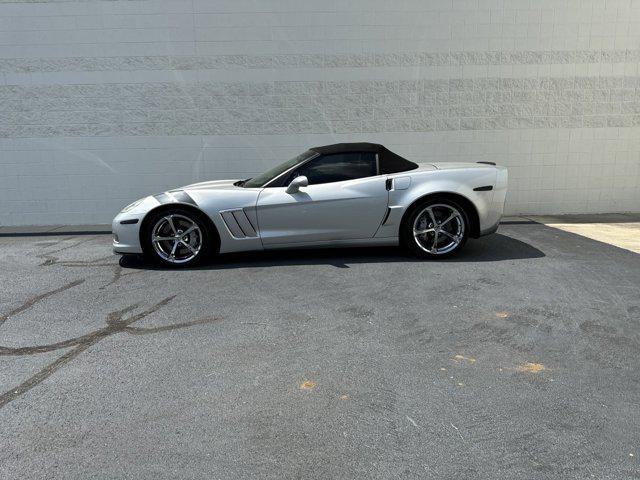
175,247
170,222
452,237
433,218
162,239
451,217
189,230
434,247
193,250
422,232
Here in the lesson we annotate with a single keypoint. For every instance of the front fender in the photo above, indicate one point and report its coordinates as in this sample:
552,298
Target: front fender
227,206
126,225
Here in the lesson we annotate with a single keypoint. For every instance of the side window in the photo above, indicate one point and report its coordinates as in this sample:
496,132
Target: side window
337,168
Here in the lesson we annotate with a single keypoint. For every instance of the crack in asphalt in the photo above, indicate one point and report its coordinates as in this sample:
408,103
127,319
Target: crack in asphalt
117,270
49,260
48,257
116,323
37,298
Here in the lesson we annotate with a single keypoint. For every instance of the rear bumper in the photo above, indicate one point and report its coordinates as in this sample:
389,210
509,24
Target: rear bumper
126,236
489,224
490,230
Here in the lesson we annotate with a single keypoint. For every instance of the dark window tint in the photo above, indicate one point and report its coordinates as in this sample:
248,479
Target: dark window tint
338,167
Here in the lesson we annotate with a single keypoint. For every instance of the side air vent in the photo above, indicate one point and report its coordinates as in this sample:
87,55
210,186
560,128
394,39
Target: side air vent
238,223
386,216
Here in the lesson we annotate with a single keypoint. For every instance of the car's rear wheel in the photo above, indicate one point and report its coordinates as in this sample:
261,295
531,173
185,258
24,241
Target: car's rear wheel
176,238
435,228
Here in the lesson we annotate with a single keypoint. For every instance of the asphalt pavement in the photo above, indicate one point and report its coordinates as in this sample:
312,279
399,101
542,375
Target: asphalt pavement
518,359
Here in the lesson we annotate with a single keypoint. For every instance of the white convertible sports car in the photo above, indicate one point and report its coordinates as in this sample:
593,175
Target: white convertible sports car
337,195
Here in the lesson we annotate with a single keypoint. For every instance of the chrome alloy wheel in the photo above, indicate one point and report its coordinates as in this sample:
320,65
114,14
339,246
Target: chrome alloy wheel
176,238
438,229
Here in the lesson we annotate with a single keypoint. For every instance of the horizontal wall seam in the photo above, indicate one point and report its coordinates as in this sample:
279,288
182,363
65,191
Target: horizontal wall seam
364,60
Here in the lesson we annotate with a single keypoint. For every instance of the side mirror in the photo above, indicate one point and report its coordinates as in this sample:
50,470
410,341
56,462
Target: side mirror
297,183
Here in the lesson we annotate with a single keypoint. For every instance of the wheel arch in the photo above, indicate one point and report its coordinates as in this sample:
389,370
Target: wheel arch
185,206
468,206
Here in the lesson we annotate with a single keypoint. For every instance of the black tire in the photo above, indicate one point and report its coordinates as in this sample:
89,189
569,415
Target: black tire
451,236
200,239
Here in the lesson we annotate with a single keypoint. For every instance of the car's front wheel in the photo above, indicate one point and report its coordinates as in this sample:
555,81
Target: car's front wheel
437,227
176,238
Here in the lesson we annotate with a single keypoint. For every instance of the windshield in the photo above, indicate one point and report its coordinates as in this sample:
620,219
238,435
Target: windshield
264,178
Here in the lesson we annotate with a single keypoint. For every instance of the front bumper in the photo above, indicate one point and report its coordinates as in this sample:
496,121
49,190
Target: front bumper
126,236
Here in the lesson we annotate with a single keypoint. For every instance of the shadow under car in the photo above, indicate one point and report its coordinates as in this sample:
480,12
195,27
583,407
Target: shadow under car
493,248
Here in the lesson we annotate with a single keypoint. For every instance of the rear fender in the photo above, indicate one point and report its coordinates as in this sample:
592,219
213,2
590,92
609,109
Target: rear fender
455,181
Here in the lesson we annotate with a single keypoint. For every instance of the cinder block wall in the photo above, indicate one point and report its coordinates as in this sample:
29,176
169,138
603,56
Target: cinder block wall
102,102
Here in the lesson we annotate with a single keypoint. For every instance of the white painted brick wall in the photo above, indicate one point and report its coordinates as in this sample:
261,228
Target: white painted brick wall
102,102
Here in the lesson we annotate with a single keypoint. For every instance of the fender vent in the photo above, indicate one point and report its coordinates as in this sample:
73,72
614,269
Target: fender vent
386,216
238,223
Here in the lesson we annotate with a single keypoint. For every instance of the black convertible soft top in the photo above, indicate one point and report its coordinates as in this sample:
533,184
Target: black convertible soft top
388,161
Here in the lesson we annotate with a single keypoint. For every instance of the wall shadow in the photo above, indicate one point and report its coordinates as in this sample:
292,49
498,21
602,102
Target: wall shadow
493,248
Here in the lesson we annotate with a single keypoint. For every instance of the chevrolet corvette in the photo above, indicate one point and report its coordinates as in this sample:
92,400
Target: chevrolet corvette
347,194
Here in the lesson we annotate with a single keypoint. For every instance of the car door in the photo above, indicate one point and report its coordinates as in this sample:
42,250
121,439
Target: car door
346,199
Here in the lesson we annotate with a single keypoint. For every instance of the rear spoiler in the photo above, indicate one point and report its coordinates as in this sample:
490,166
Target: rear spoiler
488,163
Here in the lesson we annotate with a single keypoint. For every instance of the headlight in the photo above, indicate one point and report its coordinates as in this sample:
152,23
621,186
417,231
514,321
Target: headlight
131,206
